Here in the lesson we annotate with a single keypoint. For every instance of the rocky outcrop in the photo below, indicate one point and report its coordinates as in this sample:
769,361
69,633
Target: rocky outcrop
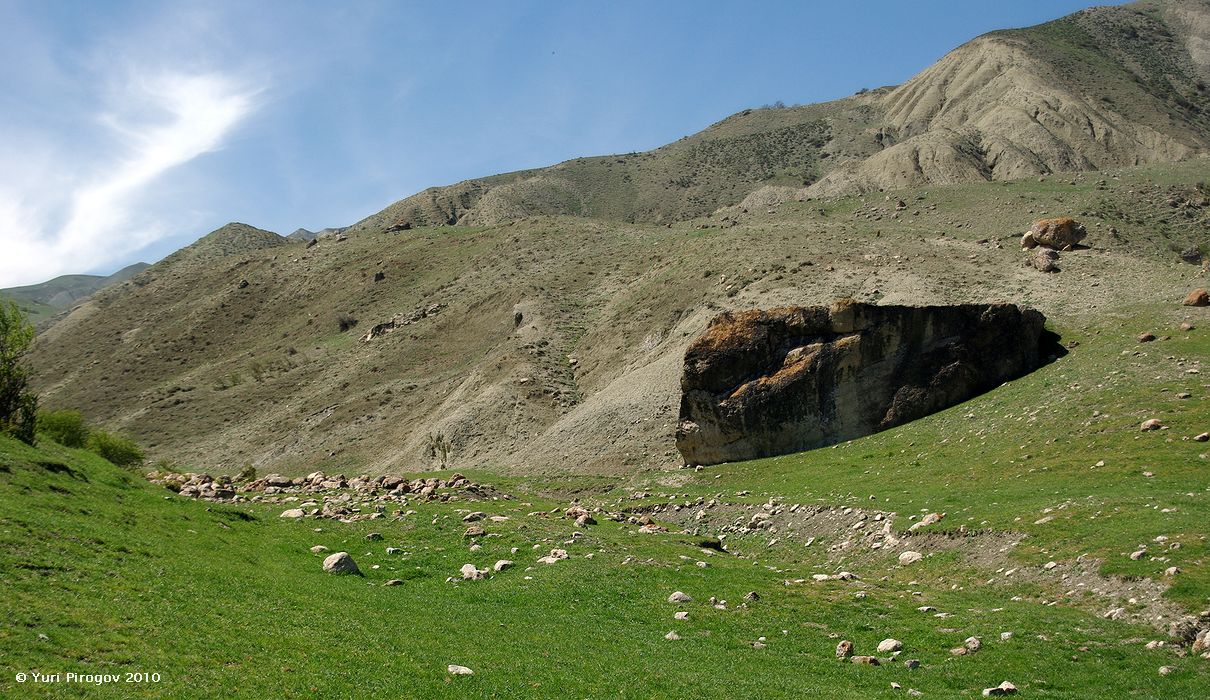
762,383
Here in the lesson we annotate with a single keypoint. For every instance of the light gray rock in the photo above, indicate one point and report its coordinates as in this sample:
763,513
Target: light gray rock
341,563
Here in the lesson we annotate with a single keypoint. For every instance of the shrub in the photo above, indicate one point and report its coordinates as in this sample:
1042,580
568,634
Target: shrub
64,427
121,451
345,322
18,405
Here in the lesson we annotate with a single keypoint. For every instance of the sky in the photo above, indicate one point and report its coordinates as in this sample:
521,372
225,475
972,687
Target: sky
130,129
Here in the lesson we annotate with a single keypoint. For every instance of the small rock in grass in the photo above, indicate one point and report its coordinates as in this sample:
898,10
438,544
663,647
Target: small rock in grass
374,536
1005,636
1146,337
672,636
341,563
752,596
912,663
679,597
554,556
867,660
473,517
293,513
394,582
474,531
1050,565
1151,424
1138,554
681,616
1004,688
501,565
844,650
973,644
909,557
456,670
889,645
1201,437
1165,670
471,573
318,549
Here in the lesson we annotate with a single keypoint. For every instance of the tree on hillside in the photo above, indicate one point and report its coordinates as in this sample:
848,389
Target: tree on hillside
18,405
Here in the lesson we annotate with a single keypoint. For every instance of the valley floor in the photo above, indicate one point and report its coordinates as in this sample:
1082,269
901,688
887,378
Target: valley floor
102,572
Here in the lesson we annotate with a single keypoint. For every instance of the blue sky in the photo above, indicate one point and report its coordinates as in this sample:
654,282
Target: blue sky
129,129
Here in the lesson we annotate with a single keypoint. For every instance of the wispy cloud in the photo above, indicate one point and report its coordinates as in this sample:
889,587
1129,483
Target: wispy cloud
59,214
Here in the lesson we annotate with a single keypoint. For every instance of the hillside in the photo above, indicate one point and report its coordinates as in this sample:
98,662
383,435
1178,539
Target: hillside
43,300
1104,88
585,379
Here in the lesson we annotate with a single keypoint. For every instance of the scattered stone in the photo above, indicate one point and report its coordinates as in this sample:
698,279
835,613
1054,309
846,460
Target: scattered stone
1201,437
1005,636
473,517
844,650
910,557
394,582
1151,424
672,636
679,597
973,644
374,536
868,660
341,563
471,573
1028,242
554,556
889,645
1138,554
1004,688
501,565
456,670
960,651
912,664
1198,297
1165,670
318,549
1060,233
1146,337
752,596
1045,260
1050,565
681,616
1115,614
293,513
930,519
474,531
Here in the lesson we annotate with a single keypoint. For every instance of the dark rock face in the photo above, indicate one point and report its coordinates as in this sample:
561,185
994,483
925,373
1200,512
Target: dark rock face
762,383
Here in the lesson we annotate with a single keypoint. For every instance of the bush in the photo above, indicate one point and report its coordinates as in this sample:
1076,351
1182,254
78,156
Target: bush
121,451
18,405
345,322
64,427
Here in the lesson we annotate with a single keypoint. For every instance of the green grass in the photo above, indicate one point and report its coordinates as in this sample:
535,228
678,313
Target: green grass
227,600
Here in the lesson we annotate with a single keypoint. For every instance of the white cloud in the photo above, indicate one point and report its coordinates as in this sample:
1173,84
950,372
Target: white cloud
52,223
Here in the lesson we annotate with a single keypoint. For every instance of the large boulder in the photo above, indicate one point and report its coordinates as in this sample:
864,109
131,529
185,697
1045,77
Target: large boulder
1060,234
762,383
341,563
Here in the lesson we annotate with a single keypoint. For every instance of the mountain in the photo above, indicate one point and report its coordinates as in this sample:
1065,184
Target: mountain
1106,87
304,235
538,320
47,298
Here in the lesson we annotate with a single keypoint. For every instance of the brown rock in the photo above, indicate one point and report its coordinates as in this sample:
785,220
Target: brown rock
1198,297
868,660
1058,233
1028,242
762,383
1044,260
1146,337
1151,424
844,650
